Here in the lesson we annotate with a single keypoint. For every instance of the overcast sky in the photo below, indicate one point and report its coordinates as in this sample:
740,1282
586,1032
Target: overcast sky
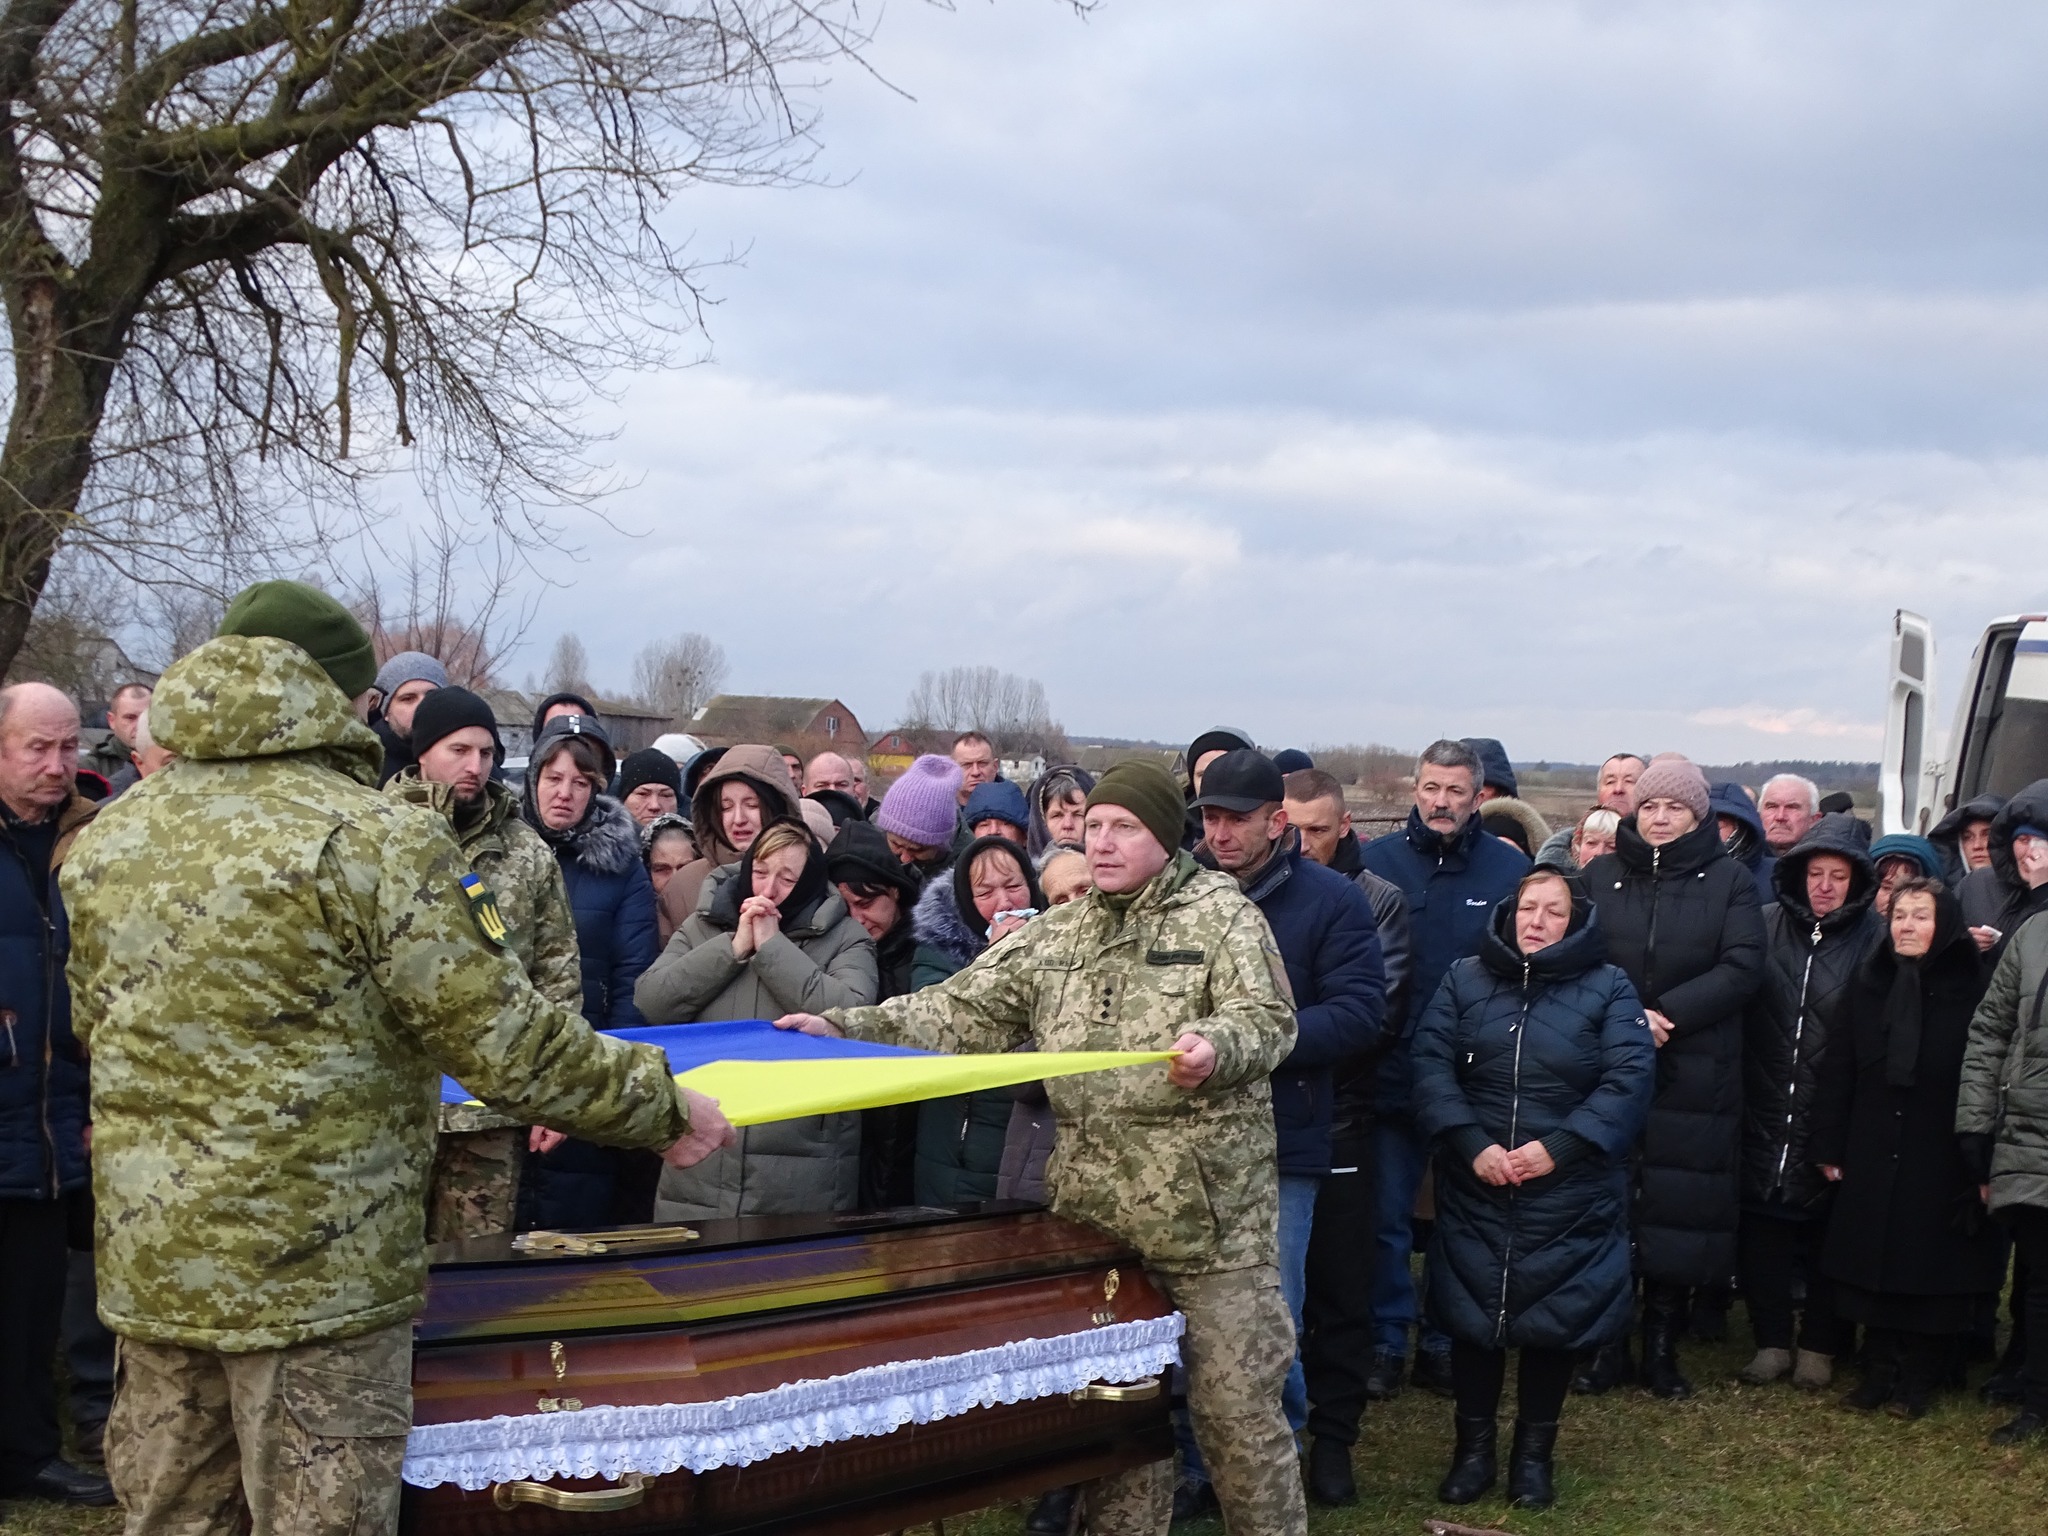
1586,375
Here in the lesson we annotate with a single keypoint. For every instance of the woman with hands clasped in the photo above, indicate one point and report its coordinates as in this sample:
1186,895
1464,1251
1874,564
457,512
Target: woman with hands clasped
1533,1075
771,935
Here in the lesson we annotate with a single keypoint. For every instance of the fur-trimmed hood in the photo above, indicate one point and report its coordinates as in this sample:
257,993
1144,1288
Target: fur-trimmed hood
605,842
936,921
1522,814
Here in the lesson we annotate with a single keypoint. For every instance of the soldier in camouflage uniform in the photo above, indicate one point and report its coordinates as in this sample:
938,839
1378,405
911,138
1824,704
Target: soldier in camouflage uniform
1179,1162
272,964
474,1188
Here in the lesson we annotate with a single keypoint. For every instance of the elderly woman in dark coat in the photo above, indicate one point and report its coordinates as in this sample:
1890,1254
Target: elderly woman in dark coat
1681,917
1533,1074
1909,1246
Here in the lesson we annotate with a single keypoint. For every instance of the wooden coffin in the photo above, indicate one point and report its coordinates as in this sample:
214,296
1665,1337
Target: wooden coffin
751,1305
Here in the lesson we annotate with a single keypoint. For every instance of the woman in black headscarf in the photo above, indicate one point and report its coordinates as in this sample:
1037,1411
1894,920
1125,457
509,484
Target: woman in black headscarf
1908,1244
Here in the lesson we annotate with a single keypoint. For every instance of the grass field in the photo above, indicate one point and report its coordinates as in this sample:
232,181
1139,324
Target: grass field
1733,1461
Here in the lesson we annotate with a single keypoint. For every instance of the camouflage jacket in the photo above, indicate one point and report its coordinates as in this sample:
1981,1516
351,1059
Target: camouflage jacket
1189,1179
526,884
272,964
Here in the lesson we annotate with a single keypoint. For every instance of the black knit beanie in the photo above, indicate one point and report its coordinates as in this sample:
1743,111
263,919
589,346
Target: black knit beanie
448,710
649,765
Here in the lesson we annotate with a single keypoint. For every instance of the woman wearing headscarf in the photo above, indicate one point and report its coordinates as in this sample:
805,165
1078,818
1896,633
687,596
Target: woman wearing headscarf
1908,1244
745,788
1059,804
960,1138
1681,917
1533,1075
597,845
770,937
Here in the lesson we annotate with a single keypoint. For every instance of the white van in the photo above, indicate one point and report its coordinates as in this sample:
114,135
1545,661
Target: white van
1999,742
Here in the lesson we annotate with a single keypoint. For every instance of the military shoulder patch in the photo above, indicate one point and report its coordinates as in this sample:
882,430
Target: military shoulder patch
483,906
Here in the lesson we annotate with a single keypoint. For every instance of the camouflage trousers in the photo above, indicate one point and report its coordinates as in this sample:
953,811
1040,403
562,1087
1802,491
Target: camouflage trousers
1237,1350
305,1441
474,1188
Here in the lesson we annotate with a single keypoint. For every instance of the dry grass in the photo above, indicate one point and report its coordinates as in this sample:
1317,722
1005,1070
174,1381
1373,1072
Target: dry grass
1733,1461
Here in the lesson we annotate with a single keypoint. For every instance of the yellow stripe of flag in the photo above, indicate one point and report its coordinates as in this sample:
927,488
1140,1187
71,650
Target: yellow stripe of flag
754,1092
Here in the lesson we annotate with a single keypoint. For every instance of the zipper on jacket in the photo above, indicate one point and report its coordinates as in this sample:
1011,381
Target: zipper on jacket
1507,1258
1650,939
1792,1072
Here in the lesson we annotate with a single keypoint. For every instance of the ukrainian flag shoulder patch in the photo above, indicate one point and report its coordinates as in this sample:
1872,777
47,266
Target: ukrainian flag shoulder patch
483,907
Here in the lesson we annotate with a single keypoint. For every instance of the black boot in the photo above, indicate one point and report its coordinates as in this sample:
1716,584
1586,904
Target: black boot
2005,1384
1474,1464
1329,1473
1531,1484
1661,1376
1054,1515
1608,1367
1880,1375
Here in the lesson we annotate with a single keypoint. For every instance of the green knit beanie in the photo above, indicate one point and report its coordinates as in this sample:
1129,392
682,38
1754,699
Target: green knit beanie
1148,792
311,620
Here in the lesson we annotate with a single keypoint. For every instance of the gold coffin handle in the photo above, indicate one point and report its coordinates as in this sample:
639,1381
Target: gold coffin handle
631,1489
1117,1392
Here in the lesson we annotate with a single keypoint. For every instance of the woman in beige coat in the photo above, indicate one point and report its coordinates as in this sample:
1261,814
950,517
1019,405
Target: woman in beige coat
770,936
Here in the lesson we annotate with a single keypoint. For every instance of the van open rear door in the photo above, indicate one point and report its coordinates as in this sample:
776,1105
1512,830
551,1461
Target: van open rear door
1905,777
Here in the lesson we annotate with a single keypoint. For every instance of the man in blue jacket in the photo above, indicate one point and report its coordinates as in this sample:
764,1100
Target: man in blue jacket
1452,874
1329,942
42,1087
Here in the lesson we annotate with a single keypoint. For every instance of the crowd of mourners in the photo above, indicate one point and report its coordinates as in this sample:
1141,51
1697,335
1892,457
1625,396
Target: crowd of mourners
1706,1043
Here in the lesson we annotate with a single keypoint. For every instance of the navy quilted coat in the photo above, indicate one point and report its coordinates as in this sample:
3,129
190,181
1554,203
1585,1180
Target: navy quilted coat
1550,1047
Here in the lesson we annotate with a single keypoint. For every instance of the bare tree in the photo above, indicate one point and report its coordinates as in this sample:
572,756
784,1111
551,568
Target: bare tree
569,666
680,676
256,251
469,626
1010,710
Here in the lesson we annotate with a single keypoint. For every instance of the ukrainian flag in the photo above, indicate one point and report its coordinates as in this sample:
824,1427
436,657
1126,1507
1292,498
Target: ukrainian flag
760,1073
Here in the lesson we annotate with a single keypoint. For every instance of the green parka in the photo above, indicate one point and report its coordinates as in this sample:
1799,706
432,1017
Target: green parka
272,964
2004,1092
1187,1178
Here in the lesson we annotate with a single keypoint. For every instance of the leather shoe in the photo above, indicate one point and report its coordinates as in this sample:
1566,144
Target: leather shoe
1054,1514
1384,1380
1330,1482
62,1483
1433,1371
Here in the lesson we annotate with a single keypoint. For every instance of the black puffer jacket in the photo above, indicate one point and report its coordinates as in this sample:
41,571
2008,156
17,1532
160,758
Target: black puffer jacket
1947,833
1996,894
1683,921
1549,1047
1794,1015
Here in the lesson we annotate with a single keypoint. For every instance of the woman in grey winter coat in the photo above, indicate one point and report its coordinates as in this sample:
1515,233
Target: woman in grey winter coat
770,936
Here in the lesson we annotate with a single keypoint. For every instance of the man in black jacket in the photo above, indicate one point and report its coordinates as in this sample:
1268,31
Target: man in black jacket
1337,1315
1817,932
1329,942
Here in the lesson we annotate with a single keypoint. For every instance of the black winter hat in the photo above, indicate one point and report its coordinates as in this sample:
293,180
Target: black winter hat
1223,738
839,805
860,855
540,712
1242,781
567,727
448,710
1292,760
649,766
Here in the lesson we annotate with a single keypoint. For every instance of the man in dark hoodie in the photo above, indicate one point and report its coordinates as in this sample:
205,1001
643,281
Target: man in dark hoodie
1497,779
1742,834
2007,891
1963,837
1452,874
1818,930
1329,942
1337,1315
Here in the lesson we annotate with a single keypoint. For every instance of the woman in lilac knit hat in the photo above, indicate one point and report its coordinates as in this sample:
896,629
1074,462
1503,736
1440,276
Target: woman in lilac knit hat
921,813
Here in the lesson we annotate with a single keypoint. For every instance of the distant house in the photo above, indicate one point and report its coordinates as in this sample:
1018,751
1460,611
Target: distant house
630,723
806,726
